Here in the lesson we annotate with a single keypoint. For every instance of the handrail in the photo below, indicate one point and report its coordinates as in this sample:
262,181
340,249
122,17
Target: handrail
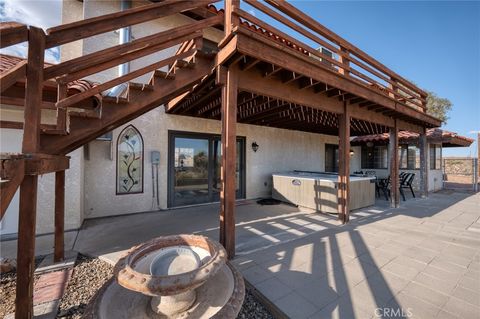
188,36
69,101
89,27
107,58
12,33
347,60
299,16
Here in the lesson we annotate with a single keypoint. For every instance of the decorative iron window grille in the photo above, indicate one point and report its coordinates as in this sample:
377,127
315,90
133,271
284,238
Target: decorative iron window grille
129,161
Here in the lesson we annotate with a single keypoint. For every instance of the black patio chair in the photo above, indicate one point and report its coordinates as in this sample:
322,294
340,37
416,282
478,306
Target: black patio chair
406,182
384,186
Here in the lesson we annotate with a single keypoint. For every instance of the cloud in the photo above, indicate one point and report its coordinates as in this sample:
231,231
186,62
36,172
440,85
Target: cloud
43,14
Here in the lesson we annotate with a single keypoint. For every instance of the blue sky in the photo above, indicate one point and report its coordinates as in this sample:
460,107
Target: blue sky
436,44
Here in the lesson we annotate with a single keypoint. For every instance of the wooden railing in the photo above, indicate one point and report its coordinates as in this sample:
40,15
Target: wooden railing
346,59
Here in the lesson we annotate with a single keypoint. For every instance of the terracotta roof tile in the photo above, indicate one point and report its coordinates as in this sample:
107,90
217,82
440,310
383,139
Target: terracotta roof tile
433,134
9,61
267,33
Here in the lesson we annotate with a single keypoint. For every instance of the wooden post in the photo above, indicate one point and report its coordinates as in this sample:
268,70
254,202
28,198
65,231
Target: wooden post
393,163
422,143
59,216
61,112
344,60
231,21
229,150
26,247
394,88
28,188
344,164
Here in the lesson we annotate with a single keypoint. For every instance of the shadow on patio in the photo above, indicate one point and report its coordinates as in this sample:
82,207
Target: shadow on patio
307,264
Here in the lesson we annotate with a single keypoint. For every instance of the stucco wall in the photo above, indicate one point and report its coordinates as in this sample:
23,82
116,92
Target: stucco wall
280,150
93,8
305,151
11,141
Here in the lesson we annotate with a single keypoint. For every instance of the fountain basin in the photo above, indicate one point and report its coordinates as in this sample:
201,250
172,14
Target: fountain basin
213,290
133,270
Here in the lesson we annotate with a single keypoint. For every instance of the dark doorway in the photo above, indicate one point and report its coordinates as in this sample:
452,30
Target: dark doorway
331,158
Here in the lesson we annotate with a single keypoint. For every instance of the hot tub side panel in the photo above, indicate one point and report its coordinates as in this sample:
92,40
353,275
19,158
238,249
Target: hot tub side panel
321,195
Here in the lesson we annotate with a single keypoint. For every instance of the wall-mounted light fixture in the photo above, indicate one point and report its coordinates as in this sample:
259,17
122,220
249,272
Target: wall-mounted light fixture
255,146
352,152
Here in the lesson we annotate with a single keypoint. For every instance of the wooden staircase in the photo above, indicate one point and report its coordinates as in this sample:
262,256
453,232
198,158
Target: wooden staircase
140,98
83,116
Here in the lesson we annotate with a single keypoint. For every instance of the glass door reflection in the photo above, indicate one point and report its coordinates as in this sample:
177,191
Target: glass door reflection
217,165
191,164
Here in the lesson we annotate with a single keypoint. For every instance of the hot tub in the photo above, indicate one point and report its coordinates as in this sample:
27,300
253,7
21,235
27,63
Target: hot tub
318,191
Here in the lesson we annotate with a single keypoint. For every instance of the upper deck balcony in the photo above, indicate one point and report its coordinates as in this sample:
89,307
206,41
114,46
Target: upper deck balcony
332,52
327,65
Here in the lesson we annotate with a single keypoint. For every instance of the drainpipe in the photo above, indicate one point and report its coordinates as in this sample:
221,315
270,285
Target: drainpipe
124,37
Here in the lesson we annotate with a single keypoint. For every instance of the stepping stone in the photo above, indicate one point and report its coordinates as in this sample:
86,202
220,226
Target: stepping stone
47,264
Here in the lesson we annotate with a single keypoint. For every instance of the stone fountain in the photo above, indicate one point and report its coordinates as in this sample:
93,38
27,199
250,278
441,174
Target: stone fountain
181,276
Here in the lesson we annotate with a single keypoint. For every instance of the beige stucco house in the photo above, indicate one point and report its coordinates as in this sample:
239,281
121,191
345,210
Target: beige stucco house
176,157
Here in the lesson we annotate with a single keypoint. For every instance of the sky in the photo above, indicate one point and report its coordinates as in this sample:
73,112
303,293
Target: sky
435,44
39,13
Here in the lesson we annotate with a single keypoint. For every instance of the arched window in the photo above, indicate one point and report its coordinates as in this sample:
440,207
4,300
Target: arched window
130,161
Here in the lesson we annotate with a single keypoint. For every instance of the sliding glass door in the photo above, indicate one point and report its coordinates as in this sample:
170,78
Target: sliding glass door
195,168
217,165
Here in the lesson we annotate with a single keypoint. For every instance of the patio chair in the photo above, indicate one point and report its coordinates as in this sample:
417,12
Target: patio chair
406,182
384,186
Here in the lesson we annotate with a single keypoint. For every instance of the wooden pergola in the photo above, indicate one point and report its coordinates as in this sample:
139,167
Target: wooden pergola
266,77
258,75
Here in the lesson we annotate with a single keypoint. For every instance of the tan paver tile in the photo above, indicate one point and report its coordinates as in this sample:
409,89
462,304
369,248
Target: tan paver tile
341,308
401,270
446,315
461,309
443,286
419,254
295,306
467,295
256,274
434,297
318,292
442,274
294,279
470,283
419,308
273,288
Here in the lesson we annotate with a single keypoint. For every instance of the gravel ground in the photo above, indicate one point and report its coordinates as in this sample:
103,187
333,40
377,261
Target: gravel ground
88,276
253,309
7,293
8,285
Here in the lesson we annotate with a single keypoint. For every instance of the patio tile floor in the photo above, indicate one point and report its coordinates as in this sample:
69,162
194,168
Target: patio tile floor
423,257
421,260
